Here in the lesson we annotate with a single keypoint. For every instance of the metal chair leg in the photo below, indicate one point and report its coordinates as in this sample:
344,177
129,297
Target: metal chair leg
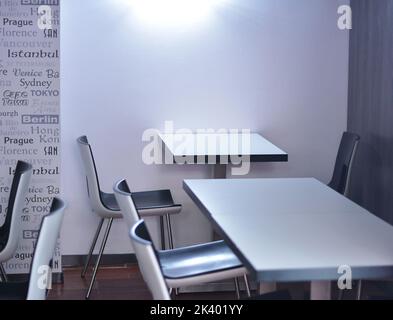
93,245
237,287
162,232
169,230
360,290
170,240
247,283
3,273
103,244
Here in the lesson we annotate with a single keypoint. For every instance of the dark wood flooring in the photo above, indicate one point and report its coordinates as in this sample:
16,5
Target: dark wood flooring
122,283
126,283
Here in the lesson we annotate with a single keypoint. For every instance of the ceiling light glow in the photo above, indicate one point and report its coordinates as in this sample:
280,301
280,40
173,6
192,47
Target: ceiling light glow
173,13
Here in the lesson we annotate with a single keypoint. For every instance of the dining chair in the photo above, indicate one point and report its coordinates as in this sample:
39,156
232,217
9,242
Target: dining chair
342,175
131,214
40,272
150,203
170,269
10,231
344,162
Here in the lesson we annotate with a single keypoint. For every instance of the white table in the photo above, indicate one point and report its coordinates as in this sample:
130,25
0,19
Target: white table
220,149
295,230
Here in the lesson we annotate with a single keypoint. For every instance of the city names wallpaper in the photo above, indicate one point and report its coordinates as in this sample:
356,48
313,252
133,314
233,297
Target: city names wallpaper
29,114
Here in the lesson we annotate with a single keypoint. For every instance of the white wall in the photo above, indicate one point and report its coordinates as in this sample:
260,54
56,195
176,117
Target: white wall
276,67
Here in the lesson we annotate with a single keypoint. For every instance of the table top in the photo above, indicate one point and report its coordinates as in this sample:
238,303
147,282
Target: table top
220,145
295,229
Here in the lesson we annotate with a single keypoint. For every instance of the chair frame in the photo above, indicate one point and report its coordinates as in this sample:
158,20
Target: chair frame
44,250
347,170
95,195
11,229
150,267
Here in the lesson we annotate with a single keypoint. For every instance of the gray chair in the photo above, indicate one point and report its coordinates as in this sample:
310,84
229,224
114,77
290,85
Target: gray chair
10,231
36,288
344,162
150,203
170,269
342,174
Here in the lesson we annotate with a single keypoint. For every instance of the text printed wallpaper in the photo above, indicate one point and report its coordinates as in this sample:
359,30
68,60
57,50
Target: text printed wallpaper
29,113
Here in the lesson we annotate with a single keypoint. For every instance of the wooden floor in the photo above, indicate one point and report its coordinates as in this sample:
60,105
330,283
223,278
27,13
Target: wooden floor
122,283
126,283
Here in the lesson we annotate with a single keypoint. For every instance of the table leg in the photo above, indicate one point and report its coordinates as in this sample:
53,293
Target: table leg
220,171
267,287
321,290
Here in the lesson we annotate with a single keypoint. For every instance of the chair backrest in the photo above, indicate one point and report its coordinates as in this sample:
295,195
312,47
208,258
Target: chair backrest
93,185
40,273
127,206
149,264
11,229
344,161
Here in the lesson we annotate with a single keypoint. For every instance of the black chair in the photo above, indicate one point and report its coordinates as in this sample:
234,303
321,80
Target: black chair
10,230
149,203
342,175
344,161
36,287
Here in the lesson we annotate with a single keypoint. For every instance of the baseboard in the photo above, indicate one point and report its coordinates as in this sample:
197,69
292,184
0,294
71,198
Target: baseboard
57,278
73,261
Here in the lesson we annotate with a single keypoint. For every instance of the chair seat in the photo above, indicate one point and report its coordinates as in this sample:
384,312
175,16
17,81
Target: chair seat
198,260
148,203
109,201
14,290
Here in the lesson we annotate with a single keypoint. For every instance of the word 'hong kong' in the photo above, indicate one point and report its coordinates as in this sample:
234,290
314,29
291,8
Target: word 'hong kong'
202,146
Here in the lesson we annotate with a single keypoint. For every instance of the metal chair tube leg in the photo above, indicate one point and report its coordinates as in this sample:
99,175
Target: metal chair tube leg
247,283
3,273
359,291
103,244
169,229
162,232
93,245
170,240
237,287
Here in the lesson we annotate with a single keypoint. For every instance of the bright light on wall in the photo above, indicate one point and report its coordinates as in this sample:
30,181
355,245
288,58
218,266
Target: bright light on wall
173,13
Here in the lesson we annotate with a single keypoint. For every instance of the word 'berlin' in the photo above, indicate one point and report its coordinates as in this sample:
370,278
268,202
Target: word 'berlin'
40,2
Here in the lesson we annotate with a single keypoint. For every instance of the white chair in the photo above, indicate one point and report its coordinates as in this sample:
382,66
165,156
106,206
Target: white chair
150,203
11,229
186,266
177,268
40,271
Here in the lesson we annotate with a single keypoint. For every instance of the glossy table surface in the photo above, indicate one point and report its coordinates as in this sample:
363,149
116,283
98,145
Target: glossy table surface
220,145
295,229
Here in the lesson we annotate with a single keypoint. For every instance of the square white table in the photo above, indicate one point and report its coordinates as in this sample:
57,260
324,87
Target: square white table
287,230
206,148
